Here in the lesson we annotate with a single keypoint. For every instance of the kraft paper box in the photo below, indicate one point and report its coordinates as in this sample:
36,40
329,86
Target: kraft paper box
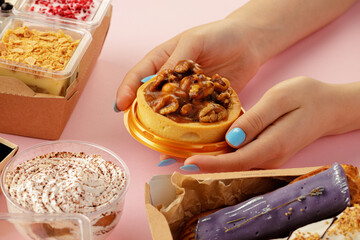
45,116
171,200
7,151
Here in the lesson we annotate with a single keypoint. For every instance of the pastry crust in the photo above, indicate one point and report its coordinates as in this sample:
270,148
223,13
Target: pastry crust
352,177
193,132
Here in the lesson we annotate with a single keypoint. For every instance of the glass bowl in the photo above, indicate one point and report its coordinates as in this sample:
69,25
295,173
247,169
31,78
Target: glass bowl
103,219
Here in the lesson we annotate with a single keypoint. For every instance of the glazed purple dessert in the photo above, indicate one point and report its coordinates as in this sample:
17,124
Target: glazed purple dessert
275,214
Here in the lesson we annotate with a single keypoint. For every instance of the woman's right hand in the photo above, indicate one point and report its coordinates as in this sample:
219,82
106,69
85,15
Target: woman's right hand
222,47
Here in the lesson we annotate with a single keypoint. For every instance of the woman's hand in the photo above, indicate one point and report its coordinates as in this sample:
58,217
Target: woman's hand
222,47
287,118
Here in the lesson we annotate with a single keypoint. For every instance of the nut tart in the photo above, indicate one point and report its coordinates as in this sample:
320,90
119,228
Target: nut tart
183,104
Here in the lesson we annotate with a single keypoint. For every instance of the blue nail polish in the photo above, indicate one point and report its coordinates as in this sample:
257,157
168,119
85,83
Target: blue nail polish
144,80
236,136
115,107
190,168
167,162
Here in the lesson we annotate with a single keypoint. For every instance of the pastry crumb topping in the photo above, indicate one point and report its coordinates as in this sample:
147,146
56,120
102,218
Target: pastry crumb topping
47,49
348,223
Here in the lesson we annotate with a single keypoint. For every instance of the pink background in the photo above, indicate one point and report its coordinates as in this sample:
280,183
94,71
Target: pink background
330,55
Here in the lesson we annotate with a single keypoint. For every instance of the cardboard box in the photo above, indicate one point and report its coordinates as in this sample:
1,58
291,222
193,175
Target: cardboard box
44,116
7,151
160,192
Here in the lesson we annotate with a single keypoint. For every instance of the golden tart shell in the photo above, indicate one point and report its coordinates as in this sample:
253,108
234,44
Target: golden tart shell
193,132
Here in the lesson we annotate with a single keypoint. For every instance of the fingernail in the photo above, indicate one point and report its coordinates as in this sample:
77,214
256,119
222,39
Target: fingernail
167,162
236,136
144,80
190,168
115,107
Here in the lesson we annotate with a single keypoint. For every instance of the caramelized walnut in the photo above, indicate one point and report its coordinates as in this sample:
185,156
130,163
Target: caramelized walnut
224,98
186,94
212,112
187,66
166,104
187,81
201,90
220,83
158,83
169,87
162,78
186,109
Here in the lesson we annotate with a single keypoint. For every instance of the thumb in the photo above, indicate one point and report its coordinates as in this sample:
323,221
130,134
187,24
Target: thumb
249,125
186,49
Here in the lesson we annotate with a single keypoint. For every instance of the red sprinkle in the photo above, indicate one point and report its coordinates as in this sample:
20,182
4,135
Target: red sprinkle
65,8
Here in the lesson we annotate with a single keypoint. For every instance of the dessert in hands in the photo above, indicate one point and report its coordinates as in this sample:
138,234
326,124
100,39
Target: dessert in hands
183,104
311,198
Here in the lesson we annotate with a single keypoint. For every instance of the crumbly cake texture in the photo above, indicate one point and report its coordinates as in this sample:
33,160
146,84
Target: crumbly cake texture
346,226
65,182
47,49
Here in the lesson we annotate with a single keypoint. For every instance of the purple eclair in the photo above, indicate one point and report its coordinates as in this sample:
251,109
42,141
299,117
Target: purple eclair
277,213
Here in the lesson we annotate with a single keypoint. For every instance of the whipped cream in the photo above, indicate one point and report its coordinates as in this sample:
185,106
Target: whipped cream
65,182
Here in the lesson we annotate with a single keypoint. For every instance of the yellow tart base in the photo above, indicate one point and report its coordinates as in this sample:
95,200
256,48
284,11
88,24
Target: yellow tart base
185,132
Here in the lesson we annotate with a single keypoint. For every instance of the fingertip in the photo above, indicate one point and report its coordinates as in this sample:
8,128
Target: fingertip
145,79
190,168
227,162
115,107
167,162
204,162
125,97
235,137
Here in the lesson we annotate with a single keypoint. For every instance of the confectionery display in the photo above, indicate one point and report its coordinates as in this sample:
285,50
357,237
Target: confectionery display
312,200
48,49
183,104
67,182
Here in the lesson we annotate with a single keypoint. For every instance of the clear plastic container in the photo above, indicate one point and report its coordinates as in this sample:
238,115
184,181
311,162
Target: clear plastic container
40,79
39,226
31,8
103,219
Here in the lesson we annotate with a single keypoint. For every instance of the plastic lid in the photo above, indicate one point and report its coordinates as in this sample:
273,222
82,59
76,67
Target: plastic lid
44,226
168,146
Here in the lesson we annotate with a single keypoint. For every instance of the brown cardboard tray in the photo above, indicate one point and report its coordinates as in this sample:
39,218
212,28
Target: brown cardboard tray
44,116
